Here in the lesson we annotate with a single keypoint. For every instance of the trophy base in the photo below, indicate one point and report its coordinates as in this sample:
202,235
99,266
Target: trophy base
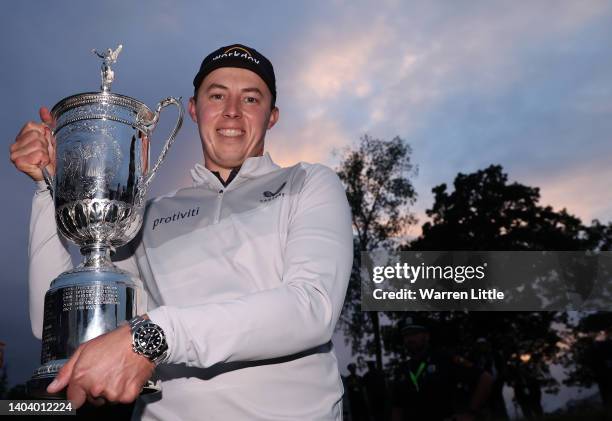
36,387
82,304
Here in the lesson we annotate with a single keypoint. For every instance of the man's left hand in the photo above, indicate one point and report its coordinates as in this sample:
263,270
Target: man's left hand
104,369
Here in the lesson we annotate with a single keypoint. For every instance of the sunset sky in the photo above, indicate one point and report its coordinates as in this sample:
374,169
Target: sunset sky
527,85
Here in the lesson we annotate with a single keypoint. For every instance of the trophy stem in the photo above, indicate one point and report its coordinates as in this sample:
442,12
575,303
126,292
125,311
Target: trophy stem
96,256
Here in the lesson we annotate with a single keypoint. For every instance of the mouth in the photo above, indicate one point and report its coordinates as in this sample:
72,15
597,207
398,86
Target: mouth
230,132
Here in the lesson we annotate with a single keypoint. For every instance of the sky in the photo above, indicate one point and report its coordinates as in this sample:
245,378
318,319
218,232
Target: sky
527,85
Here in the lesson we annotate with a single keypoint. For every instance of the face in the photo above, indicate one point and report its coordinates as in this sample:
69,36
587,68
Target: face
232,111
416,343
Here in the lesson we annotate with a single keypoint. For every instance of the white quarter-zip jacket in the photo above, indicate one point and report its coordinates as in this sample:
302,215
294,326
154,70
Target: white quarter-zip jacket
247,281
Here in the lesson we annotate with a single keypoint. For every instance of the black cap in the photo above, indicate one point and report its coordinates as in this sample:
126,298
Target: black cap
238,55
414,325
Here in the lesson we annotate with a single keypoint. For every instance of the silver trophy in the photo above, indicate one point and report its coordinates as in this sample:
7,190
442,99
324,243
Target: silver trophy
102,175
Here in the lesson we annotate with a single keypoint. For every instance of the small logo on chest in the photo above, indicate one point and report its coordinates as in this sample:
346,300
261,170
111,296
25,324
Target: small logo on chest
176,217
268,195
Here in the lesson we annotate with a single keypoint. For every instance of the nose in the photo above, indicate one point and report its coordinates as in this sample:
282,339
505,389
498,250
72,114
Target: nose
232,108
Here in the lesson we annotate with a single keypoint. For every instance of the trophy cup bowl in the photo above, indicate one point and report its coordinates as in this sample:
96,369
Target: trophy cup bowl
102,175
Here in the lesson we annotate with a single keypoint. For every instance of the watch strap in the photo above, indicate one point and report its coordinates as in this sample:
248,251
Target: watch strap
135,322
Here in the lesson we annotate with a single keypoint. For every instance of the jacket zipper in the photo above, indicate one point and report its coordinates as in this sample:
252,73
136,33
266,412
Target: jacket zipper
218,211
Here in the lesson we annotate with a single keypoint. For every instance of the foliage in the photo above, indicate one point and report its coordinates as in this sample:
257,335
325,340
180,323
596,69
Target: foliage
376,175
486,212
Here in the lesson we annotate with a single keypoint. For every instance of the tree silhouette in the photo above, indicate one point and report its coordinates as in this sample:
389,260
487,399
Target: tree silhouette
587,327
483,212
376,175
486,212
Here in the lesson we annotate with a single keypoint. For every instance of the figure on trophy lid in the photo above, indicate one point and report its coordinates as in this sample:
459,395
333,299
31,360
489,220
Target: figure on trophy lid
110,57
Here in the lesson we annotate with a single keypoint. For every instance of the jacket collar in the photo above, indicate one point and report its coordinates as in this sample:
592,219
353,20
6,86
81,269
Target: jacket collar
252,167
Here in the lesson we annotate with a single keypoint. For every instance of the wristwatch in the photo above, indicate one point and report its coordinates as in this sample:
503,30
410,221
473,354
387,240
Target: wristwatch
148,339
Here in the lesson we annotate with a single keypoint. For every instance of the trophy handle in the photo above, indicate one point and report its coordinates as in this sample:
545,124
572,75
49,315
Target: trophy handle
49,180
162,104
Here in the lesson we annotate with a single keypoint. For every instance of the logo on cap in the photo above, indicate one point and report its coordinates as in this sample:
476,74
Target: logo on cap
237,52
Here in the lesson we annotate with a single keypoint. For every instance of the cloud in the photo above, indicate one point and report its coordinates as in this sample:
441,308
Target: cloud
385,70
311,140
466,85
338,63
583,190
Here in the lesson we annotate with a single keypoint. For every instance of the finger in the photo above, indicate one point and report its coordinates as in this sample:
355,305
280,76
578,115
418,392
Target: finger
32,170
31,161
46,117
77,395
28,139
96,401
32,125
114,389
64,375
130,393
32,154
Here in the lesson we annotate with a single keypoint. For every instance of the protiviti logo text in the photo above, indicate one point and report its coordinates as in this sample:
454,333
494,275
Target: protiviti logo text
177,215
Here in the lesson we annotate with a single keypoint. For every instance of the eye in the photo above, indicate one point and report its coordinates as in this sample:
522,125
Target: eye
216,97
251,100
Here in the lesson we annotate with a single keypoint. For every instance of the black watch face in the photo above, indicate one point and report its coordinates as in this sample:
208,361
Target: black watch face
149,339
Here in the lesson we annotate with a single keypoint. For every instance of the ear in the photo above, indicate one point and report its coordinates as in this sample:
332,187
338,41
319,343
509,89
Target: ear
192,109
274,116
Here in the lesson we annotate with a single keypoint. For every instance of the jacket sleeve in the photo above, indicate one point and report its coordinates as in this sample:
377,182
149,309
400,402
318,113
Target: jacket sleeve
299,314
49,257
47,252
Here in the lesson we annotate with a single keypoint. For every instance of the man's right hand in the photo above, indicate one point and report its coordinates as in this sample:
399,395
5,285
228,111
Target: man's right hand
34,147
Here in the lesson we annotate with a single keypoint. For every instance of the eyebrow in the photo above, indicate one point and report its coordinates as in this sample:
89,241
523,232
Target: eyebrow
216,86
245,90
256,90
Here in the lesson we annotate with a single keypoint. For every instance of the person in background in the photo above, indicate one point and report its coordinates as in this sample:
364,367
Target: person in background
486,359
527,389
600,359
358,400
376,391
433,385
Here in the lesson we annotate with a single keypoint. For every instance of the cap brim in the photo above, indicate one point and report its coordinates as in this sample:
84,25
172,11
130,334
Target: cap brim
414,329
228,62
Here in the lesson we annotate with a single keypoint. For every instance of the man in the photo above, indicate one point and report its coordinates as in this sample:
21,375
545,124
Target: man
486,358
435,386
376,391
526,382
246,291
599,358
356,394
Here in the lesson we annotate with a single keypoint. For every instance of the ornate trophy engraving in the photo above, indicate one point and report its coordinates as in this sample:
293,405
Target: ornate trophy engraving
102,175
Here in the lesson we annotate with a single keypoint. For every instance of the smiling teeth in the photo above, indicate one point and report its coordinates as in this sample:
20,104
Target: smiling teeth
230,132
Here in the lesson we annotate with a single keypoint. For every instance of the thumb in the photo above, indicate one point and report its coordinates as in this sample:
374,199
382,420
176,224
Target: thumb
46,117
63,377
